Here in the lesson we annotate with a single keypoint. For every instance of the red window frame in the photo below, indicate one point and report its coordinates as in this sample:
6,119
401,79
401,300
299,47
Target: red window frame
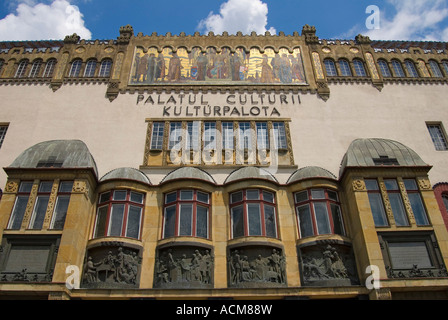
124,223
262,202
195,203
310,201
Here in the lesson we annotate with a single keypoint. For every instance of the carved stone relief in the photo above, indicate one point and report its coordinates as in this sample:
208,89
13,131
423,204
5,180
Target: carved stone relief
184,267
111,266
257,266
327,264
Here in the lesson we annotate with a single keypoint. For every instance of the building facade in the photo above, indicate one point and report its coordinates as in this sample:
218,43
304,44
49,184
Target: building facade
223,166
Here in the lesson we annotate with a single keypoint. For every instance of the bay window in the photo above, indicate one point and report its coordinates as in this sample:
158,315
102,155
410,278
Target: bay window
119,214
318,212
186,213
253,213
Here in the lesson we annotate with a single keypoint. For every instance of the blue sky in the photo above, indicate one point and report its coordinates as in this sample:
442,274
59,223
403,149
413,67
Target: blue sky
338,19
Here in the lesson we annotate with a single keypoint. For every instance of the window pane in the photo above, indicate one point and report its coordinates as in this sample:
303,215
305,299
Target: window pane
18,212
186,220
39,212
323,224
45,186
270,221
237,221
391,184
66,186
100,229
301,196
254,217
171,197
120,195
60,212
337,219
157,135
438,137
192,138
280,135
384,68
317,194
305,223
245,139
359,68
371,185
418,209
345,68
202,197
170,222
136,197
227,135
236,197
186,195
268,196
133,224
330,68
116,220
332,195
209,135
398,69
398,209
202,222
262,136
376,205
104,197
410,184
252,195
175,135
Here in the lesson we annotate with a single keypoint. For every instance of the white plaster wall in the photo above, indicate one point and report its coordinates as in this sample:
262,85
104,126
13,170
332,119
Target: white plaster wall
321,132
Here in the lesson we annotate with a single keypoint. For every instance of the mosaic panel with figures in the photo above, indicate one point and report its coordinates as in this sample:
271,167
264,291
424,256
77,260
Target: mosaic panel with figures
152,67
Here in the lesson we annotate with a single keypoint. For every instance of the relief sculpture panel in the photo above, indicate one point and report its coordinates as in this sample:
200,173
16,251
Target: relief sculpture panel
184,267
111,267
327,265
152,67
257,267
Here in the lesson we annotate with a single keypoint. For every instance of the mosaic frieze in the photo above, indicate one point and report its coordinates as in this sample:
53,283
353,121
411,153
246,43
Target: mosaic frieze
257,267
111,267
184,267
212,67
327,265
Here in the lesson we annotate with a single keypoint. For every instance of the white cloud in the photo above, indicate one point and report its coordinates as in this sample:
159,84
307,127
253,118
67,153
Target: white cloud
238,15
414,20
39,21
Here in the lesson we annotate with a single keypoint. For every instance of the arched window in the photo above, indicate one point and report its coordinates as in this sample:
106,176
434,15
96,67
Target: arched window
345,68
119,214
89,72
186,213
412,70
49,68
253,213
106,66
384,68
444,65
35,68
360,71
398,69
330,68
445,200
436,72
75,69
318,212
21,69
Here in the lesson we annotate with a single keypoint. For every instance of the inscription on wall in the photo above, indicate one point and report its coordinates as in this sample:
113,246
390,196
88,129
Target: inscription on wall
231,105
